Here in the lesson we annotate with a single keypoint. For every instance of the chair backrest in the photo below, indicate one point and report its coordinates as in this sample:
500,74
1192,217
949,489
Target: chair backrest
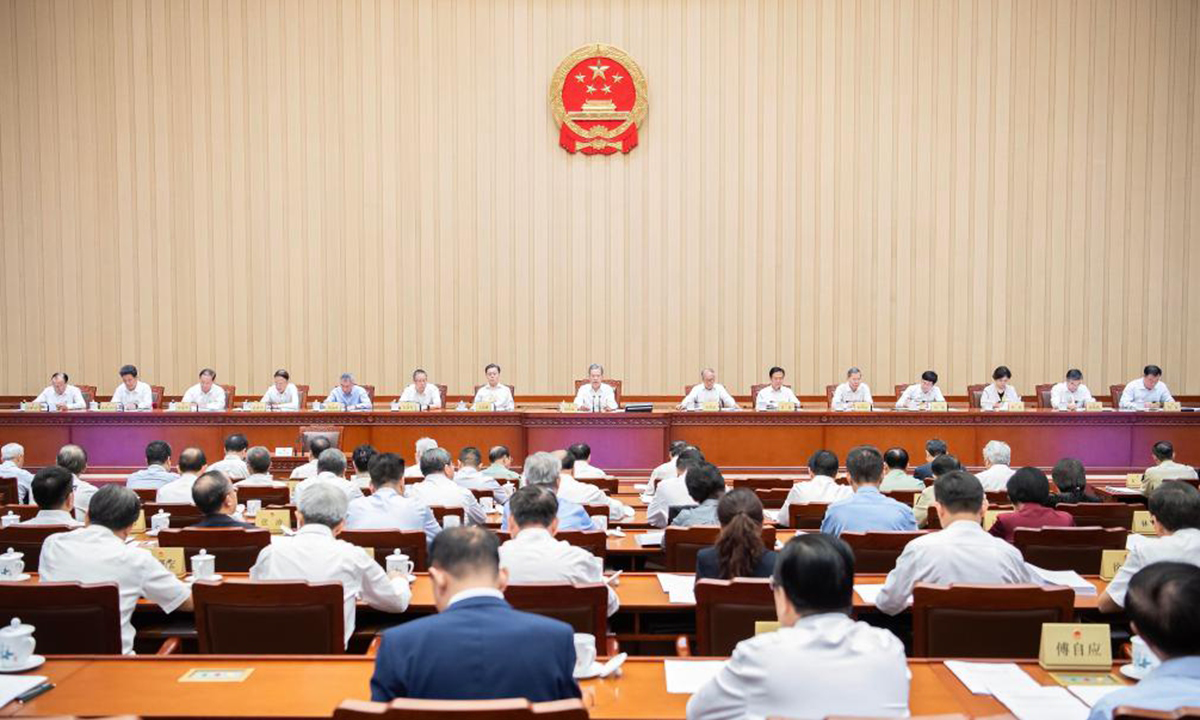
975,395
370,390
384,542
594,541
993,621
25,512
1042,392
441,511
230,391
146,495
608,484
443,391
726,611
903,496
308,432
1068,548
829,394
1106,515
235,549
28,539
681,544
997,497
1114,392
876,552
264,493
302,395
765,483
9,494
583,607
70,618
88,392
616,386
182,514
156,396
772,498
509,709
264,618
807,516
595,509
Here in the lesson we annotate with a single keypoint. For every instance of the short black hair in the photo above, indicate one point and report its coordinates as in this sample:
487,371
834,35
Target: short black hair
943,464
1176,505
1001,372
192,460
258,459
73,458
568,461
419,371
158,453
464,550
704,482
498,453
958,491
1163,450
534,505
1074,374
489,366
929,376
60,374
115,507
896,458
209,491
209,372
690,456
51,486
1029,485
1069,475
776,369
362,456
318,444
283,374
1154,370
581,451
1161,601
470,455
865,464
936,446
127,370
236,442
823,462
385,468
816,572
676,447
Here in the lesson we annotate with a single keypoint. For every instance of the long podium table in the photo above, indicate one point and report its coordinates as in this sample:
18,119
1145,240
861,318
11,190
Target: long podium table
626,441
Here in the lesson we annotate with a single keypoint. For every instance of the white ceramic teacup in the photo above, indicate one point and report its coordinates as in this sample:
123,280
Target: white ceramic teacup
12,564
451,521
16,644
399,562
10,519
1144,659
253,506
204,565
160,520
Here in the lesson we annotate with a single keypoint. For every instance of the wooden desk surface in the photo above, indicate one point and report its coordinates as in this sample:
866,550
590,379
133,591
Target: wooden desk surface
312,686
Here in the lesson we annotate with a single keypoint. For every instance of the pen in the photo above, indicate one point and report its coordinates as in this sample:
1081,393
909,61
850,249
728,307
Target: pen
31,694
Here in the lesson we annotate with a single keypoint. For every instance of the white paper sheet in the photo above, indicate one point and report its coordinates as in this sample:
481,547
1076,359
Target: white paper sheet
653,537
685,677
1043,703
680,589
1122,490
1065,578
870,593
1091,694
987,678
772,515
13,685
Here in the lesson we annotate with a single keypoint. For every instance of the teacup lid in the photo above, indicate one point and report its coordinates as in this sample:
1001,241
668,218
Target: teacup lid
160,513
398,553
16,627
12,555
202,553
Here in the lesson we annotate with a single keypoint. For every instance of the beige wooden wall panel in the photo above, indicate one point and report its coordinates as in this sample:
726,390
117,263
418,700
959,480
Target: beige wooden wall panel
375,185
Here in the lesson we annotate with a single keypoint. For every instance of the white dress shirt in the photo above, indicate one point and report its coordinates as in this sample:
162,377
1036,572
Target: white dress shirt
24,479
83,496
139,397
671,492
260,480
850,668
314,555
768,398
588,398
150,477
500,397
71,397
1135,396
663,472
584,470
534,556
413,472
352,491
472,479
995,477
437,489
233,466
386,509
699,395
305,471
1183,545
94,554
583,493
821,489
1061,396
844,398
289,399
991,396
962,553
177,491
52,517
914,396
431,398
212,400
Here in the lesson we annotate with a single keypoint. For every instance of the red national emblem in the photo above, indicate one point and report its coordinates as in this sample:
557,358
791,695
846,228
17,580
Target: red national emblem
598,96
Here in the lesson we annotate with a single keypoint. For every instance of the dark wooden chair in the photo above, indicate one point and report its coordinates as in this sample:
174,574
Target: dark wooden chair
681,544
829,395
900,388
9,492
384,542
763,483
975,395
772,498
616,386
146,495
25,512
182,514
302,395
235,549
88,392
1042,393
1068,548
989,621
443,391
370,389
156,396
70,618
583,607
608,484
1115,392
28,539
230,392
331,432
265,494
996,497
441,511
726,611
512,709
906,497
269,618
807,516
1105,515
876,552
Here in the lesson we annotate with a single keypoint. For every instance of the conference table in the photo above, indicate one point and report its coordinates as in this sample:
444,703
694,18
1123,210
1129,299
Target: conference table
624,441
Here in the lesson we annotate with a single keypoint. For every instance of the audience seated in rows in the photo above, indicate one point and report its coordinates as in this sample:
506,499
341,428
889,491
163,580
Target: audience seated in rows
233,465
584,493
258,462
216,497
739,550
897,477
331,470
179,491
439,488
1165,467
942,464
543,468
672,492
1070,478
822,488
1029,492
997,458
157,471
705,485
386,508
499,462
868,510
470,477
54,493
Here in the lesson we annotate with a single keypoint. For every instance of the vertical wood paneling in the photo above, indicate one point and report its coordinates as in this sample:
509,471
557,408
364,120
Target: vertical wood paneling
375,185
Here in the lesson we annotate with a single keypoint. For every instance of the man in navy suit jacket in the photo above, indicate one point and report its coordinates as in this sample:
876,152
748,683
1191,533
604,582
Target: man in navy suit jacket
478,647
216,497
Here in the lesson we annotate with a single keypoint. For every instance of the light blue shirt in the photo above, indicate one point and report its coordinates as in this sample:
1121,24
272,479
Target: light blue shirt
703,514
150,478
1174,684
386,509
357,399
571,516
867,511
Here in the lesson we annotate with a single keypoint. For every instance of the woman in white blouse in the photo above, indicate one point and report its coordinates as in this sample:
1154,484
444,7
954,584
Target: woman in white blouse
999,393
283,395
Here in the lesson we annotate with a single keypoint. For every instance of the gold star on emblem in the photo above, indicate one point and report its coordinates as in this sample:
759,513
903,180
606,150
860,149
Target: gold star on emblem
591,89
579,77
618,78
598,70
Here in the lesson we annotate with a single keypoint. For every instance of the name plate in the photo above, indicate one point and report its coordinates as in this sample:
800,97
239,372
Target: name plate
1110,562
1093,406
257,407
408,407
181,407
710,406
861,407
285,452
938,407
567,407
1133,480
1014,406
765,626
139,525
274,520
108,407
787,406
1172,406
216,675
333,407
32,407
483,406
1075,646
1143,524
989,518
171,558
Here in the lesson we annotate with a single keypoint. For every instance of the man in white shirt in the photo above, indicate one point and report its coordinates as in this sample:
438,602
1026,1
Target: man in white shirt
499,396
854,390
963,552
282,395
61,396
499,462
595,395
1071,394
997,457
422,392
54,493
850,668
1165,468
770,397
386,508
1175,509
583,469
317,444
413,472
132,394
74,459
12,457
361,459
823,488
206,395
665,471
331,470
179,492
98,553
314,554
672,492
439,488
918,395
534,556
469,476
233,465
1147,392
258,462
708,390
157,471
999,393
585,493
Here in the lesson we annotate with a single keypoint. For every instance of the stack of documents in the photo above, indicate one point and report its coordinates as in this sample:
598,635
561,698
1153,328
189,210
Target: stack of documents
1066,578
685,677
1020,693
679,588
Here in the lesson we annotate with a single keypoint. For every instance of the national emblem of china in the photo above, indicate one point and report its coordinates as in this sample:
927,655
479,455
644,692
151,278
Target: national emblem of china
598,96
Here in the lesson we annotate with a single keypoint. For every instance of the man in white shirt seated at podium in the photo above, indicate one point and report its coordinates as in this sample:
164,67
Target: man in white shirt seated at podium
61,396
998,394
282,395
770,397
1147,392
499,396
421,391
1071,393
918,395
708,390
206,395
854,390
595,395
132,394
349,394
